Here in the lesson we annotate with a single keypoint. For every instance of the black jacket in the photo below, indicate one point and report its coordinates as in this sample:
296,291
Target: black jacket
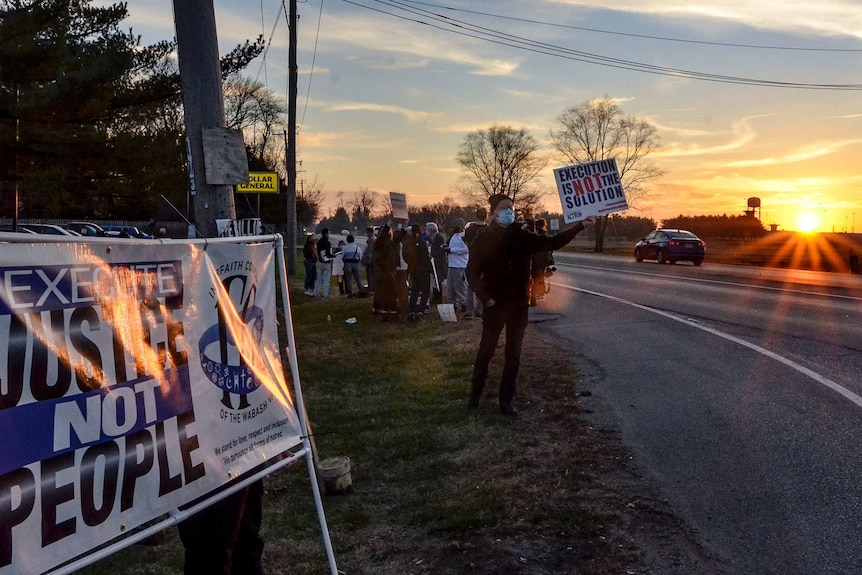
500,260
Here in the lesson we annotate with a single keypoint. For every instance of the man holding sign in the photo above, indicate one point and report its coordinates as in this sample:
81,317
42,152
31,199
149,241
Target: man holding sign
499,273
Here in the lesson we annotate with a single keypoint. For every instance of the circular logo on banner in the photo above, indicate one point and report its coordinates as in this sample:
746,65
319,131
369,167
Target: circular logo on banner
225,348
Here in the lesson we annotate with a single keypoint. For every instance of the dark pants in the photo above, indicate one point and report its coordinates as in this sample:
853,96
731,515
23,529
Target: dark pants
371,274
512,316
224,539
402,291
420,289
351,272
310,274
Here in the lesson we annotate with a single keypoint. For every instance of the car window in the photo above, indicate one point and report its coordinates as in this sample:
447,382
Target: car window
651,235
683,235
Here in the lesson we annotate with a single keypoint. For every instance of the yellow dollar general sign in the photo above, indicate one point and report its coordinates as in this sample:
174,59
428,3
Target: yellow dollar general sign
259,183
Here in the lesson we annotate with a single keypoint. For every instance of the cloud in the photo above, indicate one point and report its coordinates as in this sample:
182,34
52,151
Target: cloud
741,131
475,126
353,139
827,17
411,115
808,152
372,35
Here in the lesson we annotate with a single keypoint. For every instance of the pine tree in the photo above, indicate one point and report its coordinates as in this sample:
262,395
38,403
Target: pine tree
90,119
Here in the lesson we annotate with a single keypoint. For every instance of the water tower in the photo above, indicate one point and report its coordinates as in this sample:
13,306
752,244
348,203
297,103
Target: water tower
753,210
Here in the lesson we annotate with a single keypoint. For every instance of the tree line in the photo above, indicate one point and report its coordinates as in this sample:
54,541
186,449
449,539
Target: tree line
739,227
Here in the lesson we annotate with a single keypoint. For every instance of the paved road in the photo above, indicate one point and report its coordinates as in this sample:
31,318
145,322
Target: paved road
740,389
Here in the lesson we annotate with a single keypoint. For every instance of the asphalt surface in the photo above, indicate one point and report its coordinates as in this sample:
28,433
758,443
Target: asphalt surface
738,389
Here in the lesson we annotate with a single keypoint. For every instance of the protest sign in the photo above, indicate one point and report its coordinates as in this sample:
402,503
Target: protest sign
589,190
136,378
399,206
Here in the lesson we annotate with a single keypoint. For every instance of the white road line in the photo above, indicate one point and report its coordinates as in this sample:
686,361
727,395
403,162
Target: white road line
701,280
772,355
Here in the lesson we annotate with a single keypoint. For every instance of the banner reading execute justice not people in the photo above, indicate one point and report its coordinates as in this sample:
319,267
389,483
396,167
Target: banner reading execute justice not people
589,190
134,379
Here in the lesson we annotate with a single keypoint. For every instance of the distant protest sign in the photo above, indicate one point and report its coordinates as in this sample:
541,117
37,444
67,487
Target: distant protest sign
589,190
399,206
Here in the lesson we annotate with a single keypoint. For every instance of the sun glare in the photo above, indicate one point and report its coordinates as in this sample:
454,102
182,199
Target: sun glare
807,223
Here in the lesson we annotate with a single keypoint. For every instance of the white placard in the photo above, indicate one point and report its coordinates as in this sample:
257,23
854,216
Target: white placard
588,190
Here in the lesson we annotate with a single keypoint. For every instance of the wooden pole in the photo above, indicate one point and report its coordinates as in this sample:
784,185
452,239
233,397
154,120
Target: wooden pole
291,239
203,105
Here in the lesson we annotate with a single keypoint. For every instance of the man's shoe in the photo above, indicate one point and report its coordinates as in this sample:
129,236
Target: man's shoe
508,410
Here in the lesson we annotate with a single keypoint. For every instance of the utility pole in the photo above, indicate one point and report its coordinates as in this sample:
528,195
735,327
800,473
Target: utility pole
290,153
203,104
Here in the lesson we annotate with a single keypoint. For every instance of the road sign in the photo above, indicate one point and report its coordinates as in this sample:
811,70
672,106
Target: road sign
259,183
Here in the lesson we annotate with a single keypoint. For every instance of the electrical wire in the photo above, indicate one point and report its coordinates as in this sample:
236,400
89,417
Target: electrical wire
268,45
467,29
262,31
632,35
313,59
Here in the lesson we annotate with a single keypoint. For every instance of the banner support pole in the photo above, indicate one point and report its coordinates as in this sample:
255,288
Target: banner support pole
300,404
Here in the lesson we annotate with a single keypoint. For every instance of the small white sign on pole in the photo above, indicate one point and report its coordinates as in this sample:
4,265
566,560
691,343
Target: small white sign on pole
589,190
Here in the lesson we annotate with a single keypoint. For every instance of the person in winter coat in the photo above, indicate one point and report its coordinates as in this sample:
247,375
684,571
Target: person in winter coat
325,255
499,273
439,258
352,256
309,255
385,263
456,278
418,260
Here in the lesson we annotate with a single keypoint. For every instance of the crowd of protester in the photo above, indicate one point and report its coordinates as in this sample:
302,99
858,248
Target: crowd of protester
406,271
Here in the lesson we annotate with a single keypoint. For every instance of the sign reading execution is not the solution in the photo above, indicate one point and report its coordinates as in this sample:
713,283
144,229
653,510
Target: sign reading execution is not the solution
592,189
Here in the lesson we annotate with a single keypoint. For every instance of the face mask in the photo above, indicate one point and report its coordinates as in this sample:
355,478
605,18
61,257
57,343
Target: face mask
506,217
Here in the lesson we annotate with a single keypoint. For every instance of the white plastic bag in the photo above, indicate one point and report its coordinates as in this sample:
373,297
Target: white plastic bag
447,312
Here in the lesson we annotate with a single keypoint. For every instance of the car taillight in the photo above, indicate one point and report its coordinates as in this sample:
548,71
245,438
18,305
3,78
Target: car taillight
701,244
673,243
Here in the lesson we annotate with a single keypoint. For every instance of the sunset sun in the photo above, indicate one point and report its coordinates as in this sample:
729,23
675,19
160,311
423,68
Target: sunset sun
807,223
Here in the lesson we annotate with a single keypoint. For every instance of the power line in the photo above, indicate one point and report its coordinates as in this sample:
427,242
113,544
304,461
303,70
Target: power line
467,29
313,59
632,35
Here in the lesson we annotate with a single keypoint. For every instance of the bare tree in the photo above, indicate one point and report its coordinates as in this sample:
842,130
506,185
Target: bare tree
362,208
258,112
445,212
309,201
598,130
499,160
